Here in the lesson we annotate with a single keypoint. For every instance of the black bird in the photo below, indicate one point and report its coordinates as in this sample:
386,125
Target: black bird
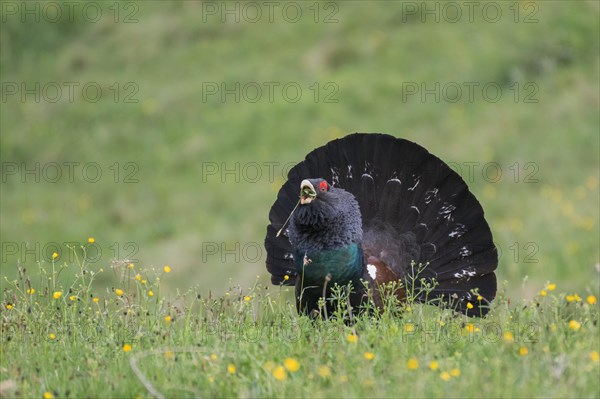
374,208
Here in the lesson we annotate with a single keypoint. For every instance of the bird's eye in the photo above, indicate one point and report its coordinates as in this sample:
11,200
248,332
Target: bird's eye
323,186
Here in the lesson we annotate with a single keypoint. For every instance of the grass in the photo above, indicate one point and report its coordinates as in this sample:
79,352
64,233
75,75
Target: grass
543,210
369,54
77,340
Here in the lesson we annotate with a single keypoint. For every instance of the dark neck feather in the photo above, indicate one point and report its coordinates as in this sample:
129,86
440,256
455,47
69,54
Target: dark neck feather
330,222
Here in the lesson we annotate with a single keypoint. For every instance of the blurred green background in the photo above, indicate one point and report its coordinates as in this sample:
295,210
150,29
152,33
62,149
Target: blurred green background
189,174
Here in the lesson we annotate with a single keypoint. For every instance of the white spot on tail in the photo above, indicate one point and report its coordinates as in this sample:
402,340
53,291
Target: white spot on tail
430,195
335,180
418,180
458,231
372,271
464,252
464,273
446,211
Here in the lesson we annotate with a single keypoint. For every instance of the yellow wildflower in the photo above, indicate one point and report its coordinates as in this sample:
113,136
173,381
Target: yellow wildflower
523,351
291,364
167,319
369,355
455,372
54,255
574,325
138,277
469,305
72,297
31,291
150,293
279,373
433,365
9,306
48,395
213,357
409,327
91,240
324,371
352,338
167,269
543,293
594,357
286,277
57,294
444,375
231,368
119,292
591,299
247,298
95,299
131,265
127,348
508,337
570,298
479,298
412,363
52,336
551,287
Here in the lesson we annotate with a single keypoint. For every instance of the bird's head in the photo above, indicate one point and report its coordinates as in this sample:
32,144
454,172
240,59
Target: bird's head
328,217
311,188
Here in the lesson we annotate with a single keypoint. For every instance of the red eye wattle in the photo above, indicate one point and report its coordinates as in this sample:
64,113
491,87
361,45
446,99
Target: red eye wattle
323,186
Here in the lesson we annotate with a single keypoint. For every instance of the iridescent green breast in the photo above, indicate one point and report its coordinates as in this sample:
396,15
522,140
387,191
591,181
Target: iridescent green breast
344,264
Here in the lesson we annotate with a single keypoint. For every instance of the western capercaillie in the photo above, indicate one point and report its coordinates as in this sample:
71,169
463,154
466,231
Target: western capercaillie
374,208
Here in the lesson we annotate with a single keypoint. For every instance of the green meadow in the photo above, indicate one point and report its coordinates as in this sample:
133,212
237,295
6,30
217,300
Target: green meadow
143,143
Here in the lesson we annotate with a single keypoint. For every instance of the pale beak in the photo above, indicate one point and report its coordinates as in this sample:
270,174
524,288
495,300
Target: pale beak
307,192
